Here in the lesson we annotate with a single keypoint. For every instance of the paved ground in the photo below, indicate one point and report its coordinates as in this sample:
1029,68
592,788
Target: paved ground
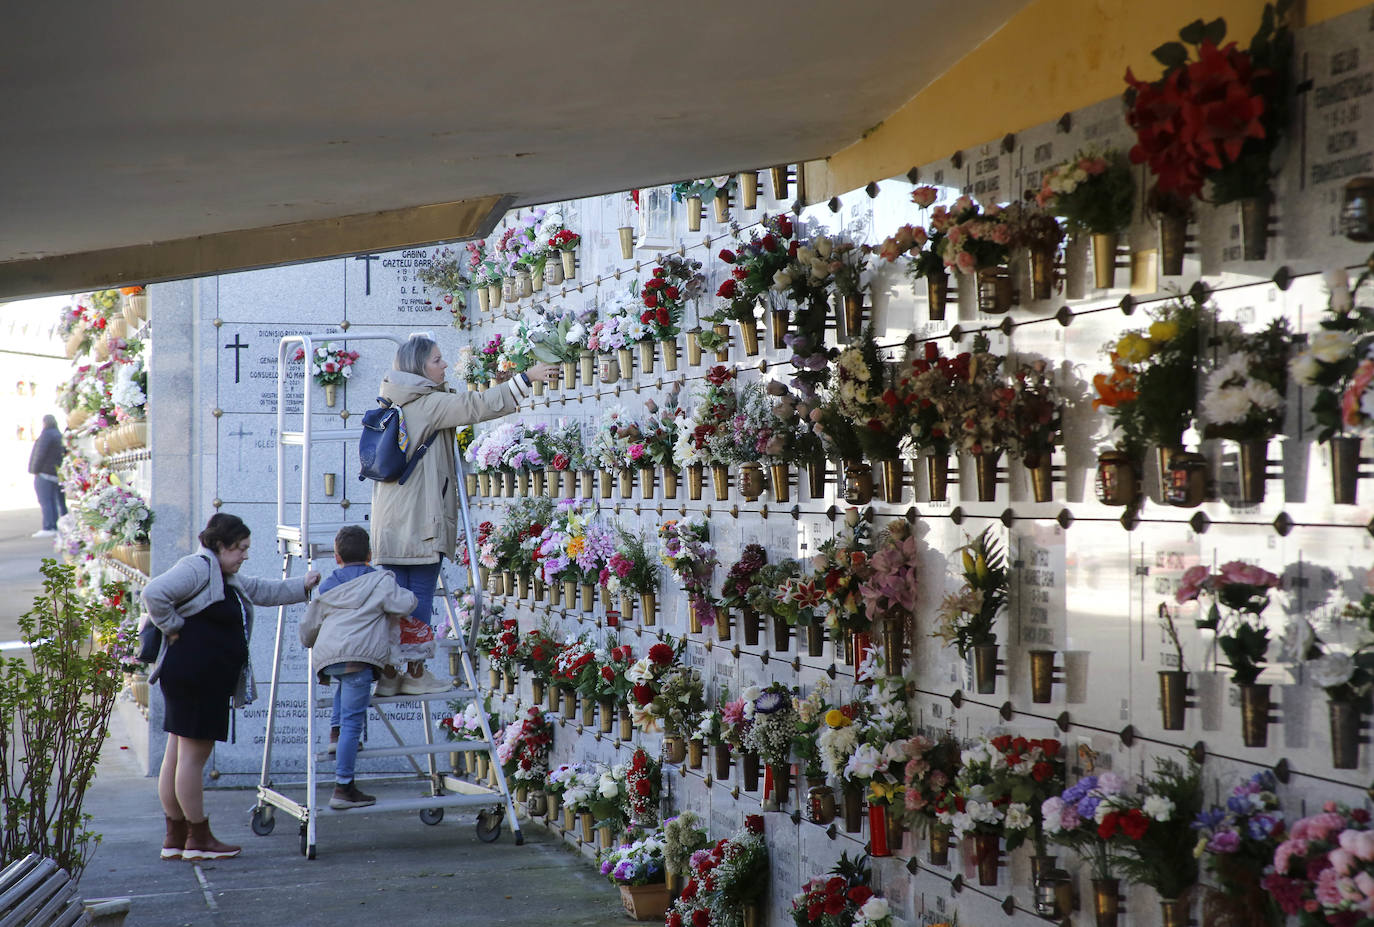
376,869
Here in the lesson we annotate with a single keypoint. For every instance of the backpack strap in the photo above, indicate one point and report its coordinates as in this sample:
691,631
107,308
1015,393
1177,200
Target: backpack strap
415,460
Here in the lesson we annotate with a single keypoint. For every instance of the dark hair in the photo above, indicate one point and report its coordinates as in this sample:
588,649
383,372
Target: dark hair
352,545
223,531
49,421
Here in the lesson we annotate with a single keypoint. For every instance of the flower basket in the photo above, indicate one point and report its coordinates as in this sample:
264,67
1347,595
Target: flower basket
645,902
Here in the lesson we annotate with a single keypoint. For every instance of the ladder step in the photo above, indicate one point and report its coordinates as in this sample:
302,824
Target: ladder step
491,800
448,746
297,438
464,692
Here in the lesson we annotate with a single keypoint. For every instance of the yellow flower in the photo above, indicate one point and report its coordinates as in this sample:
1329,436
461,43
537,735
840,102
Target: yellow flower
1163,330
836,718
576,546
1132,348
884,792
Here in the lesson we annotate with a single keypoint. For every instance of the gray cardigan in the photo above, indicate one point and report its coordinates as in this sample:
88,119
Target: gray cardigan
163,593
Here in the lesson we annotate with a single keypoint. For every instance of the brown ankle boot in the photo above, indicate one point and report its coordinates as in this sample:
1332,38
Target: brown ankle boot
202,844
175,842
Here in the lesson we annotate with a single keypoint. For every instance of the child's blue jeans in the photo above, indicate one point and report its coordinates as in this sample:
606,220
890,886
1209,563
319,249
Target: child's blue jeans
351,699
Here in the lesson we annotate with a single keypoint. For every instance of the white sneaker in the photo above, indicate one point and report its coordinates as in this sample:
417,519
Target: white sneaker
388,686
45,533
426,684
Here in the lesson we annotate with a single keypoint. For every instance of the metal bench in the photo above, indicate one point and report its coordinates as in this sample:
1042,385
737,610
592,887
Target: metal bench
34,892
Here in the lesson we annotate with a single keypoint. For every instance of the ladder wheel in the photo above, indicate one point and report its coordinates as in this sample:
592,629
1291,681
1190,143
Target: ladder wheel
489,825
263,821
431,816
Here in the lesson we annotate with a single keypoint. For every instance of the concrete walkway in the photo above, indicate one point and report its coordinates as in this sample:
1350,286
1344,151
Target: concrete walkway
375,869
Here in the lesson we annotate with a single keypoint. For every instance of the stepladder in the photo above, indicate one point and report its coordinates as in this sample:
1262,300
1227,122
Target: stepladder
303,544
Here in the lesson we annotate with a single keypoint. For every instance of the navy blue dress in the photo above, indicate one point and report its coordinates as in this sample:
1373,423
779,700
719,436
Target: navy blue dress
202,669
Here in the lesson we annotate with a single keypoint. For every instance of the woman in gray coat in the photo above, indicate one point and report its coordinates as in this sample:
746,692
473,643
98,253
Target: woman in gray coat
205,612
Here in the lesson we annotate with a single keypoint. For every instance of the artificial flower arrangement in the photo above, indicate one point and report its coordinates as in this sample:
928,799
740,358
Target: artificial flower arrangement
503,648
727,877
487,362
980,409
1151,392
630,570
617,326
967,618
464,720
836,740
687,552
1337,362
575,668
810,718
882,731
524,454
679,703
1236,843
1243,589
1092,191
793,440
835,898
118,513
1243,398
524,749
931,770
676,280
1342,663
843,565
522,534
848,261
647,676
447,273
488,452
1324,871
1158,849
706,437
1002,787
564,239
659,431
536,654
636,863
742,577
643,780
927,385
559,333
749,436
865,395
329,365
562,541
704,188
889,590
609,803
1216,118
611,684
1076,818
565,450
755,265
683,835
1036,419
977,236
610,445
477,266
129,388
773,724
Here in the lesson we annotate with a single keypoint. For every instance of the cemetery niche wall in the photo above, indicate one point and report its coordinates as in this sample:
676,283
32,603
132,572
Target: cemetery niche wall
1106,657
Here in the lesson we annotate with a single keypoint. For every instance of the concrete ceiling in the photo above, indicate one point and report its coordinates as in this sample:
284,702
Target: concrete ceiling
139,135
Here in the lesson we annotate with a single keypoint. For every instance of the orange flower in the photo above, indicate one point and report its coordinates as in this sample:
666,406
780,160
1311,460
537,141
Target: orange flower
1115,388
130,290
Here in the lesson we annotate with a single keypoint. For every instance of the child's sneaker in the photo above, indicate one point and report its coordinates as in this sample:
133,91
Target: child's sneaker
348,796
425,684
388,686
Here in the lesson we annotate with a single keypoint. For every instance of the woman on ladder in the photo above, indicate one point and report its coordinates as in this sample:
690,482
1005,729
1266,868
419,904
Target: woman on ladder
415,525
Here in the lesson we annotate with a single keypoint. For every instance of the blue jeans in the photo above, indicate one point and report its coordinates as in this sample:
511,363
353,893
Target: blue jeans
351,699
52,503
419,578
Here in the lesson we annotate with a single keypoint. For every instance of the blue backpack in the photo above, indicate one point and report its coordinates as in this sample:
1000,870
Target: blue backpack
382,446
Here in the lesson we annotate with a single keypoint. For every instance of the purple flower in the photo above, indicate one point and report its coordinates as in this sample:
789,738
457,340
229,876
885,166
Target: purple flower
1262,825
1227,841
1087,806
1209,819
768,702
1080,788
606,867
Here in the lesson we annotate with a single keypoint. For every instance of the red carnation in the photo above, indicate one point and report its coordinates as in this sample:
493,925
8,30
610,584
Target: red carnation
834,904
753,823
647,316
651,299
608,674
663,316
674,919
726,255
1042,771
643,694
727,289
643,787
769,243
672,292
860,894
660,654
1107,829
1134,824
701,918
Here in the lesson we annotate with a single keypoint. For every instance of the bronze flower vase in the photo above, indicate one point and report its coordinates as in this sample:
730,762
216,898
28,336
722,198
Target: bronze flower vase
1173,234
627,727
937,475
537,804
669,483
1254,714
1104,259
781,476
987,855
894,478
568,378
670,355
894,646
536,482
537,691
1041,471
569,704
1042,272
607,481
937,295
694,754
853,809
555,697
751,626
570,594
569,818
674,749
939,845
648,608
646,358
720,479
1345,469
607,716
1173,698
815,477
722,352
1254,463
985,470
587,597
815,638
1118,479
625,361
694,478
985,668
994,290
752,915
853,316
858,483
749,335
722,757
1174,912
723,621
749,189
780,783
749,771
646,482
586,367
1345,733
693,206
779,177
588,711
1042,675
693,619
778,322
877,830
820,803
1254,226
693,348
1106,901
627,483
751,481
721,207
782,634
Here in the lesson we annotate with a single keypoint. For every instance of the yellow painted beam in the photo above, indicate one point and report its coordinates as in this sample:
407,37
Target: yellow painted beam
1053,57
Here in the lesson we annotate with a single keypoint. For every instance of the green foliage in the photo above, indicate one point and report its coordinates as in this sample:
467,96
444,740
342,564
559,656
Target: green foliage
54,716
1163,857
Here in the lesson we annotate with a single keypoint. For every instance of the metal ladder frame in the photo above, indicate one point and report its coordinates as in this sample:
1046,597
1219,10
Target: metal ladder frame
299,542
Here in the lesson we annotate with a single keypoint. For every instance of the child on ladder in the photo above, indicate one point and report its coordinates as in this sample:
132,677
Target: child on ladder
353,626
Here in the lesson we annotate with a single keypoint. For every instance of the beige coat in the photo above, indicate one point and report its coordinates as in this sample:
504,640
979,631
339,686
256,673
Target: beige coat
200,572
418,522
357,621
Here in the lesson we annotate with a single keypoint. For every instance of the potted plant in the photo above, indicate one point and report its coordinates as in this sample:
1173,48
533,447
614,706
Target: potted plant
637,868
1243,589
967,618
1094,193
